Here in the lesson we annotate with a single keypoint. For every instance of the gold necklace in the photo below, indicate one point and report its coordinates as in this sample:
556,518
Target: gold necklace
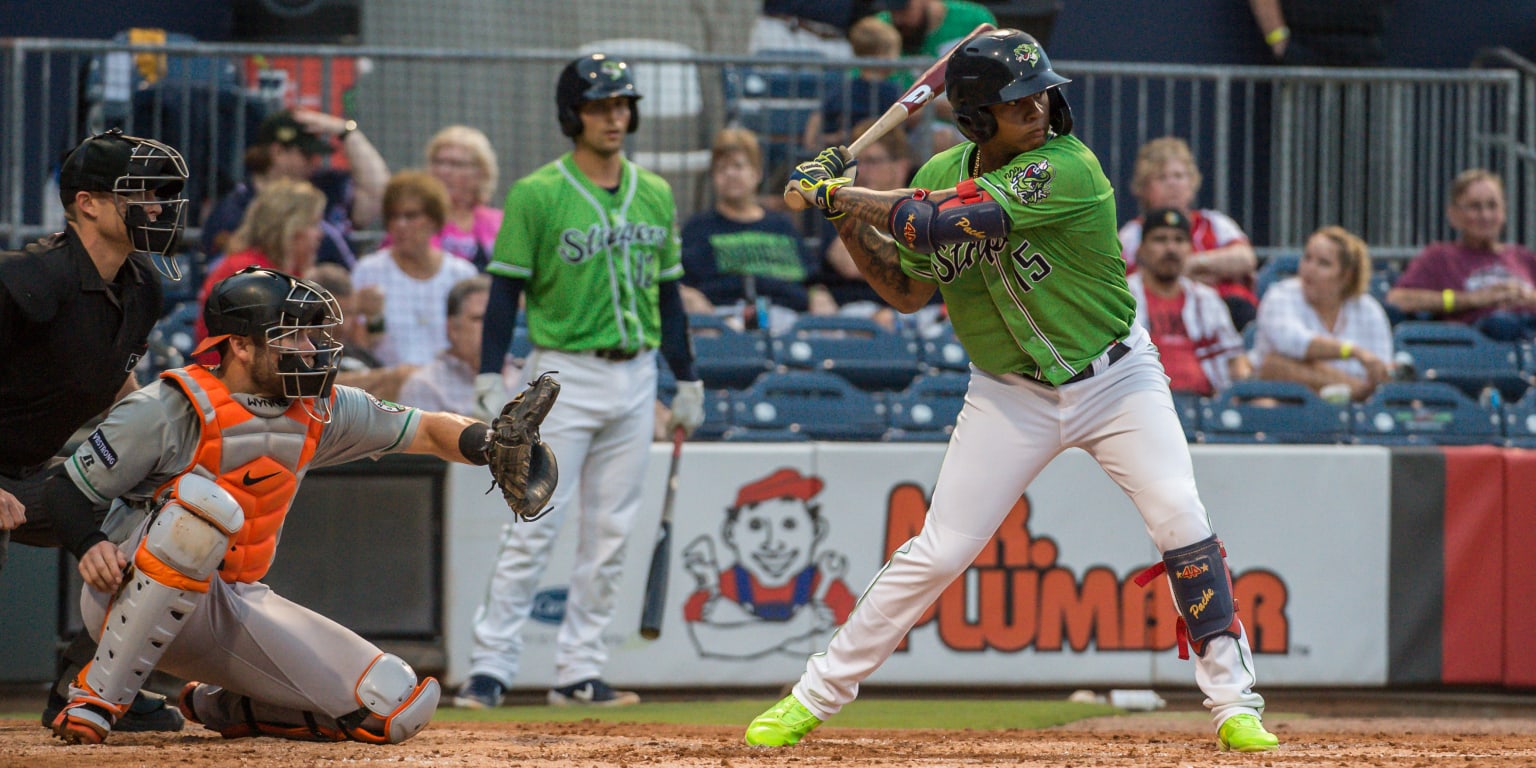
976,163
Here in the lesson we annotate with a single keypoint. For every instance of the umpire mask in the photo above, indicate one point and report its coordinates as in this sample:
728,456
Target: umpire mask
148,177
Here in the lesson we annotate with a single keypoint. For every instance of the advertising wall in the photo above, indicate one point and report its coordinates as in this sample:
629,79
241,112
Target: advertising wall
1051,600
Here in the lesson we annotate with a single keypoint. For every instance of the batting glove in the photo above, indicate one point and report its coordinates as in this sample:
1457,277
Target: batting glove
816,186
490,396
687,407
837,161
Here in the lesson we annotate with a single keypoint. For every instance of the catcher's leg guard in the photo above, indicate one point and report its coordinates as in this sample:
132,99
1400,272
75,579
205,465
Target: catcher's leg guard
171,572
1202,593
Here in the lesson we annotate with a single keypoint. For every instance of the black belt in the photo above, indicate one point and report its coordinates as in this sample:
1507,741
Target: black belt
1116,351
615,354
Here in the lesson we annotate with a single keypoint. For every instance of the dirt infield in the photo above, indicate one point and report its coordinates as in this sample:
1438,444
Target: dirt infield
1181,738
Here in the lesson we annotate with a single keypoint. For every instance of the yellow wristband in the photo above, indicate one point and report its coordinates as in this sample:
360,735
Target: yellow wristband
1278,35
1448,299
1345,349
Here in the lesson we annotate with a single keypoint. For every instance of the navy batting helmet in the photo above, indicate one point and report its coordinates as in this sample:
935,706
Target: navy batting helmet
997,67
594,77
279,309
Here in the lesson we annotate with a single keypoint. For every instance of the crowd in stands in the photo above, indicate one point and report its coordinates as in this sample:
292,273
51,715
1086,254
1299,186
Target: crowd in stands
415,302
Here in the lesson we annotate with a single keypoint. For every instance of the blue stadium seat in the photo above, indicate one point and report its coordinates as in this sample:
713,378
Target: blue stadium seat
1271,412
1424,413
1188,405
944,353
858,349
1520,422
1460,355
1274,269
813,404
725,357
774,100
717,403
926,411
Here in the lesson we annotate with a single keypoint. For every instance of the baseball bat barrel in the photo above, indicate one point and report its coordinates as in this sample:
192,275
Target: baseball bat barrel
926,89
661,555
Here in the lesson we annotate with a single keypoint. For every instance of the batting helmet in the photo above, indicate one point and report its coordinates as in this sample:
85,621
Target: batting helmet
130,166
594,77
282,311
997,67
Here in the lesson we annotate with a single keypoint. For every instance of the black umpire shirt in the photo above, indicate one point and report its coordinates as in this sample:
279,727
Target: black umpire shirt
68,341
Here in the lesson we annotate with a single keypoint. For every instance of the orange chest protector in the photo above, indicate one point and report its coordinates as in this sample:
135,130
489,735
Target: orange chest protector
258,459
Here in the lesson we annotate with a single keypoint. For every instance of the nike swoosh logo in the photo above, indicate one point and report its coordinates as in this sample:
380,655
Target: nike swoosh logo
248,480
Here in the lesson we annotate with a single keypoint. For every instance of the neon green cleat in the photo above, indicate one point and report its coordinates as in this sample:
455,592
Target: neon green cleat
1245,733
784,723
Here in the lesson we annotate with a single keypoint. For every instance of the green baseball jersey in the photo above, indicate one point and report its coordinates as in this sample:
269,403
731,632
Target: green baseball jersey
591,258
1051,296
960,17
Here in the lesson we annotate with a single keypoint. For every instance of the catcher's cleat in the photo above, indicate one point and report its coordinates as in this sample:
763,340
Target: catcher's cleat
82,724
591,693
148,712
785,723
1245,733
478,692
184,702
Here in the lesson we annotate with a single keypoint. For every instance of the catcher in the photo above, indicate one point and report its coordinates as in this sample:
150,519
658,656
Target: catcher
199,469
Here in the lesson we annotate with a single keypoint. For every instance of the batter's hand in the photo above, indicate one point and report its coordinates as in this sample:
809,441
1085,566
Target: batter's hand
837,161
687,407
490,396
12,512
815,182
102,567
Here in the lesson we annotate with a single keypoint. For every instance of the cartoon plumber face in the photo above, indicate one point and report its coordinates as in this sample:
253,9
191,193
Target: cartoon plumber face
774,528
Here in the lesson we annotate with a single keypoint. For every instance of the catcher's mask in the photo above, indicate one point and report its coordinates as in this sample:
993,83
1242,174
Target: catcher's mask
147,176
594,77
997,67
290,315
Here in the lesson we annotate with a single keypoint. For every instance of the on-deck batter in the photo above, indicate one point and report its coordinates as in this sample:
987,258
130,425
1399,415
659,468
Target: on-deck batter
1020,238
593,238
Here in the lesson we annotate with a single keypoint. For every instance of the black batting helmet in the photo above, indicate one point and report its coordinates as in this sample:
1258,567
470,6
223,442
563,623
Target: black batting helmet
277,308
594,77
997,67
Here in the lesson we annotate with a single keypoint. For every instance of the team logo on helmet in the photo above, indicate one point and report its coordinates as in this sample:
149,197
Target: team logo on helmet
1032,183
1027,53
613,69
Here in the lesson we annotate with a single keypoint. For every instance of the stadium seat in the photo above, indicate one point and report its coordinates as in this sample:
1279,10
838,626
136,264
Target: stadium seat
774,100
1276,268
1424,413
858,349
1271,412
1519,420
1458,354
1188,404
926,411
725,357
813,404
717,403
944,353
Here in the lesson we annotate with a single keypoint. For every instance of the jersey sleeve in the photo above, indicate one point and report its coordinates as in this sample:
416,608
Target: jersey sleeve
1043,189
363,426
144,440
515,246
1225,228
669,255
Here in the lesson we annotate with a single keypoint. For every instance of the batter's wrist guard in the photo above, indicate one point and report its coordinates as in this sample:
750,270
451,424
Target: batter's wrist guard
923,226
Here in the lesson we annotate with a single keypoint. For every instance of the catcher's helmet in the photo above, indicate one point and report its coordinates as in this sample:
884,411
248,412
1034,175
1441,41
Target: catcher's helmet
1000,66
593,77
129,165
282,311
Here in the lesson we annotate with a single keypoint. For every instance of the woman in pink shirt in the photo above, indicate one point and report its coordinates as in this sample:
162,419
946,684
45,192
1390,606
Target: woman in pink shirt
462,159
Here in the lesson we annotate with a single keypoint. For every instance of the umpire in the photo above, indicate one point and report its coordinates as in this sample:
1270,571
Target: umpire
76,309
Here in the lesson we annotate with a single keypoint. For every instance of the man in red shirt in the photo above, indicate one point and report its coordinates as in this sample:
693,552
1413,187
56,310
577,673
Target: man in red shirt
1201,350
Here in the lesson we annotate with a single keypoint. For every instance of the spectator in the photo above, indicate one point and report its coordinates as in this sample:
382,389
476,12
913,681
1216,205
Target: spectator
738,252
414,275
885,165
866,95
448,382
461,158
358,367
1339,33
1201,351
293,144
1475,280
280,229
1166,177
809,25
932,27
1321,327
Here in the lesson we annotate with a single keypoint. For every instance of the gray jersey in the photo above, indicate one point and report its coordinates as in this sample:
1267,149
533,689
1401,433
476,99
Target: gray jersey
152,436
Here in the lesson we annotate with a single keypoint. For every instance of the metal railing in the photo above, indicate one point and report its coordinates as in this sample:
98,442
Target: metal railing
1282,150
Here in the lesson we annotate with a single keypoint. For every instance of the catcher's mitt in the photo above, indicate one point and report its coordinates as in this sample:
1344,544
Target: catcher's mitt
521,465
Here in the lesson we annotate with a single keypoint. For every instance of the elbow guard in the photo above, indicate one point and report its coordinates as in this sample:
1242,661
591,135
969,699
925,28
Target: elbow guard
971,215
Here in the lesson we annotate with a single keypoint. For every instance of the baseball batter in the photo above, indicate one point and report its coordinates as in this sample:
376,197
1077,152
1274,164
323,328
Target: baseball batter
199,469
1020,238
592,238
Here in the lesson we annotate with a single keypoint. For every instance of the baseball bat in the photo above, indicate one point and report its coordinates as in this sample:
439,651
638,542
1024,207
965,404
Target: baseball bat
926,89
661,556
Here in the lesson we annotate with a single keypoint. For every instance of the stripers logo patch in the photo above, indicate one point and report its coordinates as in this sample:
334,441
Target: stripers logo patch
103,448
1032,183
386,406
1027,53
